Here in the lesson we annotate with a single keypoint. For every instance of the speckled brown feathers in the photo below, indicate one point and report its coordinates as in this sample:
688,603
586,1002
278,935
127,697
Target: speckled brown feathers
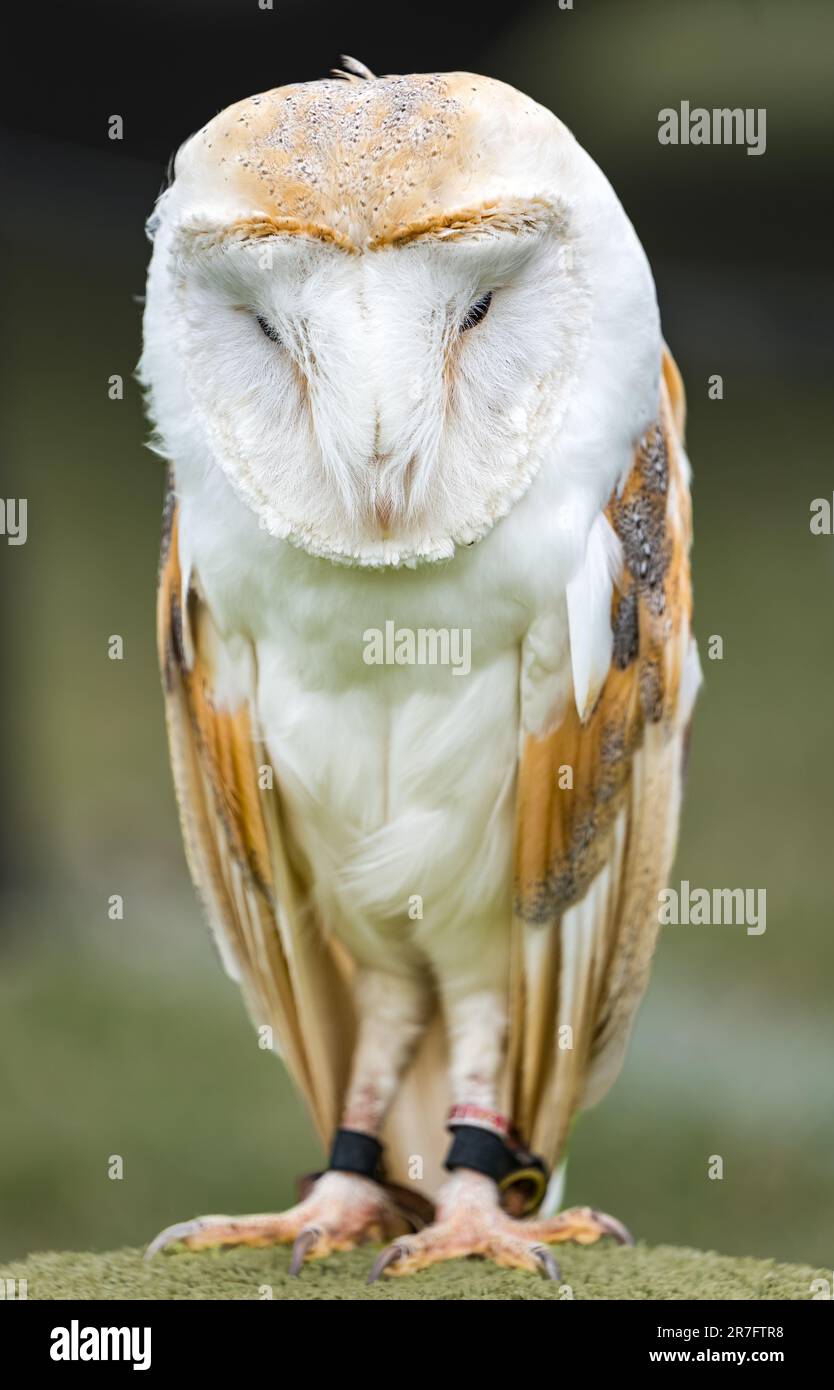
562,831
593,850
369,161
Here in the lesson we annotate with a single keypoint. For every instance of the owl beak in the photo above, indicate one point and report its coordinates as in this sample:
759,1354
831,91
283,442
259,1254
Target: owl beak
382,505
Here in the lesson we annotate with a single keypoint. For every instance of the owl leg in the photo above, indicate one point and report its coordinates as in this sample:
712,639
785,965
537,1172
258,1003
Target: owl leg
348,1204
474,1212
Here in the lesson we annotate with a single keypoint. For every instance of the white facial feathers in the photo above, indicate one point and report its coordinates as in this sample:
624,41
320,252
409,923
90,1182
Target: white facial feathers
357,420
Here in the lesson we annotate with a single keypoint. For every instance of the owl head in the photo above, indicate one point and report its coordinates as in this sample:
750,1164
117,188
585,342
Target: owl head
372,304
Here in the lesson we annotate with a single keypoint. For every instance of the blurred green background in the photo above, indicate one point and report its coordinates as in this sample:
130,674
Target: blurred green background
123,1037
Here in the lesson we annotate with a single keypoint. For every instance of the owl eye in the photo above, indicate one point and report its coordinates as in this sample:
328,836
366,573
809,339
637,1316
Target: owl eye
477,311
267,329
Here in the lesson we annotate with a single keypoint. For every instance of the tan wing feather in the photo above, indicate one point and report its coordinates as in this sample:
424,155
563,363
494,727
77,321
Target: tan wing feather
293,978
591,859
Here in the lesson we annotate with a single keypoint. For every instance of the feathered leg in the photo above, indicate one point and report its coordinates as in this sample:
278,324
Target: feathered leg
343,1208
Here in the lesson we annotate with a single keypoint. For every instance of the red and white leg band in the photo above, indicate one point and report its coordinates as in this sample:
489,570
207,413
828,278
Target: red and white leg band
480,1118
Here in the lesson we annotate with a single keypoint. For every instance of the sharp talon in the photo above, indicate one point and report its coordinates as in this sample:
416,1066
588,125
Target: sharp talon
169,1235
549,1267
613,1227
388,1257
303,1244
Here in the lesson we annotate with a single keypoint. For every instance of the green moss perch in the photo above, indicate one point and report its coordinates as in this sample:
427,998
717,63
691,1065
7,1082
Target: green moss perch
664,1272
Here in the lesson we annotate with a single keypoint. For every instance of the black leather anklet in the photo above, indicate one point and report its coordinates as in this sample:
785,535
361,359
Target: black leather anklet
354,1152
511,1167
481,1150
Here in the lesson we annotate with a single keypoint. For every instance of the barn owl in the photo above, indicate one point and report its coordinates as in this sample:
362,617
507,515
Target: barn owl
403,356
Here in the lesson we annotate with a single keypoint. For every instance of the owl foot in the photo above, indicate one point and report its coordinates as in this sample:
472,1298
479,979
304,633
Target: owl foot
340,1211
471,1221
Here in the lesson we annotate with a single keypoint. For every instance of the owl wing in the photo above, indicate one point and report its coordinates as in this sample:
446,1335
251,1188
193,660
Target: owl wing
294,980
598,805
